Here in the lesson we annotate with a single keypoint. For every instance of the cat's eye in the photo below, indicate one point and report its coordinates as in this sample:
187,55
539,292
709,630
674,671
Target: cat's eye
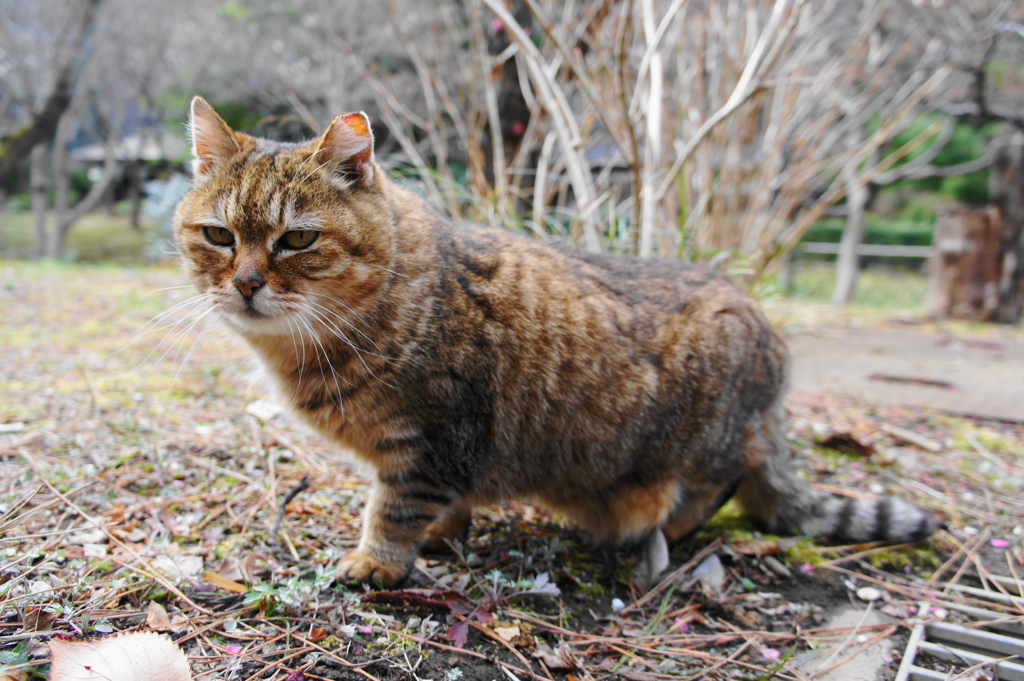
297,239
218,236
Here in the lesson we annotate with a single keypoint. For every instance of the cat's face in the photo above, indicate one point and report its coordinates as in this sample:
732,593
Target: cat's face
284,237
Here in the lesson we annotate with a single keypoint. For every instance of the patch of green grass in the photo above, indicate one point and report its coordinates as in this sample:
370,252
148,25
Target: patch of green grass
883,288
96,238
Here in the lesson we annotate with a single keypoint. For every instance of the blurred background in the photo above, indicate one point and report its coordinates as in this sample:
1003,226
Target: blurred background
793,143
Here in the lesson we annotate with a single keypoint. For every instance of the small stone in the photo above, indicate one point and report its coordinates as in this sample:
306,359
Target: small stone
264,410
773,564
869,593
617,604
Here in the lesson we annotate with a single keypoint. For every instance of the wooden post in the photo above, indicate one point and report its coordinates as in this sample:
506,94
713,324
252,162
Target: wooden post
966,265
1007,186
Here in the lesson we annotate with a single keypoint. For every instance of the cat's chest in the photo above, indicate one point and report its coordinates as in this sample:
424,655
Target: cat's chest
348,408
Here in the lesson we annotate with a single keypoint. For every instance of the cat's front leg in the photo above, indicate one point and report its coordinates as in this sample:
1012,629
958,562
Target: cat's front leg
394,521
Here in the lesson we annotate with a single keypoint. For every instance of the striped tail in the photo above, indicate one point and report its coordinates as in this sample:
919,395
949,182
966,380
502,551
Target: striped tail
785,504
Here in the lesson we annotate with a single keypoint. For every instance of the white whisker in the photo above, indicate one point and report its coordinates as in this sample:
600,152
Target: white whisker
341,334
338,333
202,334
342,318
317,347
150,326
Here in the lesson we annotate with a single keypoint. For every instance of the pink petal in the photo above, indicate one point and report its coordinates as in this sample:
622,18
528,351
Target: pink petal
1000,543
233,649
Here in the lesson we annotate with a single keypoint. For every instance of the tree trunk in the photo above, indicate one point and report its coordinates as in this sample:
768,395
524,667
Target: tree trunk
102,188
135,176
62,186
848,262
1008,197
39,184
966,264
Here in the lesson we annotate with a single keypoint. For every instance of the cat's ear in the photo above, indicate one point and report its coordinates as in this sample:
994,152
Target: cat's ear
347,149
213,141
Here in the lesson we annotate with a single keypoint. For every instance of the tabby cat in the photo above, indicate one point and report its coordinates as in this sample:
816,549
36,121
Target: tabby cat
467,365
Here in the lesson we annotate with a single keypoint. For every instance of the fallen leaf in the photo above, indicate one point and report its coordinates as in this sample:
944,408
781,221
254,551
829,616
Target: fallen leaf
430,598
116,513
847,443
177,567
94,550
223,582
38,619
157,617
711,574
128,657
318,634
763,547
507,634
302,508
560,658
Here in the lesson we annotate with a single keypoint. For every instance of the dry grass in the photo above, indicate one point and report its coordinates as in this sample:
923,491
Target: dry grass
138,485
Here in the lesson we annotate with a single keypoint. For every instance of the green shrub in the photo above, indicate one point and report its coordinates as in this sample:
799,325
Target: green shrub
877,230
970,189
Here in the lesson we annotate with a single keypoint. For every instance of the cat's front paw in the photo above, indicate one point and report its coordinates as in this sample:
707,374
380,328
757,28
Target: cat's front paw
361,567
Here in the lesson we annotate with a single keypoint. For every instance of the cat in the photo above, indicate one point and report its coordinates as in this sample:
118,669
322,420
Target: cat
465,365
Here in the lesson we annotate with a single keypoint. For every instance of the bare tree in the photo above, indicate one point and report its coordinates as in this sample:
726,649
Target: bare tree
33,60
971,37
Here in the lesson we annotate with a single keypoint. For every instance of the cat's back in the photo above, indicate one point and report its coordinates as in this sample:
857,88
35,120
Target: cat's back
501,272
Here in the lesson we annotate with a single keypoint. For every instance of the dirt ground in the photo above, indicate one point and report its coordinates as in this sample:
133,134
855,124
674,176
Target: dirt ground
142,482
973,372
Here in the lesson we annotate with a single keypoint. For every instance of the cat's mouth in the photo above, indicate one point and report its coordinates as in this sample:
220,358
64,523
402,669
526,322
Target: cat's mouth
250,311
257,315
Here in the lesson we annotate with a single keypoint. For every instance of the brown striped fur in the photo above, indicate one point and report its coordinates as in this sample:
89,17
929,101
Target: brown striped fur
467,365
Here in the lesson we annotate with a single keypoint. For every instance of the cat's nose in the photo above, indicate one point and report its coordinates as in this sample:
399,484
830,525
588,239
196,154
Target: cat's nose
248,285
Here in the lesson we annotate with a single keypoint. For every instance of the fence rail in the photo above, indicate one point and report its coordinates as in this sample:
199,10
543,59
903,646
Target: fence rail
888,251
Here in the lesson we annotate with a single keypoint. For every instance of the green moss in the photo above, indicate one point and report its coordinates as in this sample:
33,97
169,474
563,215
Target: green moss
729,524
594,590
923,558
992,440
806,552
229,545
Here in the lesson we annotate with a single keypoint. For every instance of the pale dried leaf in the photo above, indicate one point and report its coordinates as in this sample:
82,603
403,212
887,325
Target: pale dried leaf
507,634
157,617
128,657
13,674
560,658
